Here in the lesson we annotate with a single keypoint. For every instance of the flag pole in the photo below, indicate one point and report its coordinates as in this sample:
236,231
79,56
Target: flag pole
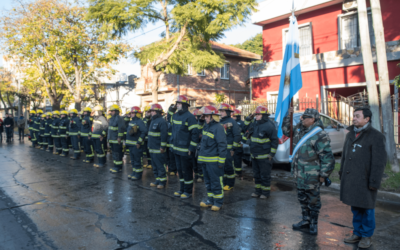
291,106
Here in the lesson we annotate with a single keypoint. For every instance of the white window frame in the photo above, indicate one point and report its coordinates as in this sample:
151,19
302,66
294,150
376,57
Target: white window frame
201,73
227,64
189,70
339,20
299,26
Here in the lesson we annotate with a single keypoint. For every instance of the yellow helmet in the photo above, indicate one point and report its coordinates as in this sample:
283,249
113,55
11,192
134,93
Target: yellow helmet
64,112
39,111
56,112
147,108
32,112
49,114
127,112
98,108
114,107
73,111
43,116
87,109
81,112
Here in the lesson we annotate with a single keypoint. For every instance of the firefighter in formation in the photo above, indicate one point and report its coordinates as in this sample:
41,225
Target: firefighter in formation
205,143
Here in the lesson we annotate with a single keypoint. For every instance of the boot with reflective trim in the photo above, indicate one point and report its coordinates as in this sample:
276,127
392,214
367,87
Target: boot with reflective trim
313,223
264,197
257,193
178,194
227,188
186,196
172,173
206,204
115,170
160,186
304,223
215,208
153,184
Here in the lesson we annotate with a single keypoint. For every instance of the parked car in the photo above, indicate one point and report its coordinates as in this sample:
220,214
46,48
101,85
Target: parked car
337,133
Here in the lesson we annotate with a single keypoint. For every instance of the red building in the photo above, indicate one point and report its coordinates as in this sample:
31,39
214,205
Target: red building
330,54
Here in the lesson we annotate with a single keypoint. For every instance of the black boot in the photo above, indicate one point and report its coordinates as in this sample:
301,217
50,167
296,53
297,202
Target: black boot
313,223
305,223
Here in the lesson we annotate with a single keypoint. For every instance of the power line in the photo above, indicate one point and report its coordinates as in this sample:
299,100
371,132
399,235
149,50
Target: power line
145,33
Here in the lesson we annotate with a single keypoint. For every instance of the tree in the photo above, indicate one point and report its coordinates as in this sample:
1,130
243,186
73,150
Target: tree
254,44
7,90
67,50
220,98
189,26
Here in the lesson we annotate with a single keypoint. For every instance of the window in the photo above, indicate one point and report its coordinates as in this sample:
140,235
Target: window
305,36
192,103
201,73
189,70
225,71
350,32
328,123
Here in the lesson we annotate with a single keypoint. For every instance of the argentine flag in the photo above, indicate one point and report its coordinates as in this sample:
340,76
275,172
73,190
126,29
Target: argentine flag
291,81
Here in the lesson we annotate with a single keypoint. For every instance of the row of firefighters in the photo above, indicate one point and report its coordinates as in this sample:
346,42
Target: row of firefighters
205,144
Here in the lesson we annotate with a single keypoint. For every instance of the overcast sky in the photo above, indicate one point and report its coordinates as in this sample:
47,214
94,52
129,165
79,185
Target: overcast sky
152,33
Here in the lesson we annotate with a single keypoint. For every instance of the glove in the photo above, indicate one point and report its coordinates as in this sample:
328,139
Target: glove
251,117
232,153
162,150
137,146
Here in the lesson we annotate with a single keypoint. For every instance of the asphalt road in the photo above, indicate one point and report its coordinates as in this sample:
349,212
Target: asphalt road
49,202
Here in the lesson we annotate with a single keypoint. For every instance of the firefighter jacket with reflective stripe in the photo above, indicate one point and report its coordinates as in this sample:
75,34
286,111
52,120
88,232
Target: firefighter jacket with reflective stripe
116,129
233,137
86,128
157,134
74,125
99,126
264,138
42,126
31,121
213,144
47,127
169,138
36,123
243,139
185,131
147,122
141,131
54,127
63,126
127,120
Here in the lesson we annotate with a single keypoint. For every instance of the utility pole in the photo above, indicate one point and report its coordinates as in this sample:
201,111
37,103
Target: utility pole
368,64
384,87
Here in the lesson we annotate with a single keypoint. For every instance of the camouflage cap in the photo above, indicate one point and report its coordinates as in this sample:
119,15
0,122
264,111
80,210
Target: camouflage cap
312,113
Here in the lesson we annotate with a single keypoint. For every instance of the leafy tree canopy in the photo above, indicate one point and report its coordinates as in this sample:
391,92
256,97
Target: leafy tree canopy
254,44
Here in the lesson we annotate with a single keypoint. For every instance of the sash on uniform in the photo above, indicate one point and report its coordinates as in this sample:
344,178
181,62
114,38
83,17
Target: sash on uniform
307,136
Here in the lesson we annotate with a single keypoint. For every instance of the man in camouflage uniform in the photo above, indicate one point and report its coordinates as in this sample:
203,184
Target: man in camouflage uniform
311,165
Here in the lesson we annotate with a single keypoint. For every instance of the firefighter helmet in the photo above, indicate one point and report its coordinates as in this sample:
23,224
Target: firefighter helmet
136,109
261,110
208,110
114,107
98,108
156,107
39,111
73,111
225,106
196,112
43,116
87,109
64,112
146,108
49,114
56,112
237,112
183,99
32,112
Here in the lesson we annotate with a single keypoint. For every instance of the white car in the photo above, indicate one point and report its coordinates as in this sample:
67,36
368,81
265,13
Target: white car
336,131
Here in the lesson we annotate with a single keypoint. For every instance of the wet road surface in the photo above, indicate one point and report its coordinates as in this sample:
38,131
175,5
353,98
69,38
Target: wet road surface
49,202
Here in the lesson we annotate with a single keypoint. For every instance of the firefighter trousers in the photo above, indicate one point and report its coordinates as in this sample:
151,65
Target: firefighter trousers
76,146
184,164
237,159
64,145
229,171
100,151
262,175
57,144
88,148
146,153
33,138
197,168
213,178
50,143
171,160
117,154
159,167
136,155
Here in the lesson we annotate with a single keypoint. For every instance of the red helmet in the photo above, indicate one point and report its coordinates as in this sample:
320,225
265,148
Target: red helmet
136,109
208,110
156,107
196,112
183,99
237,112
225,106
261,110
